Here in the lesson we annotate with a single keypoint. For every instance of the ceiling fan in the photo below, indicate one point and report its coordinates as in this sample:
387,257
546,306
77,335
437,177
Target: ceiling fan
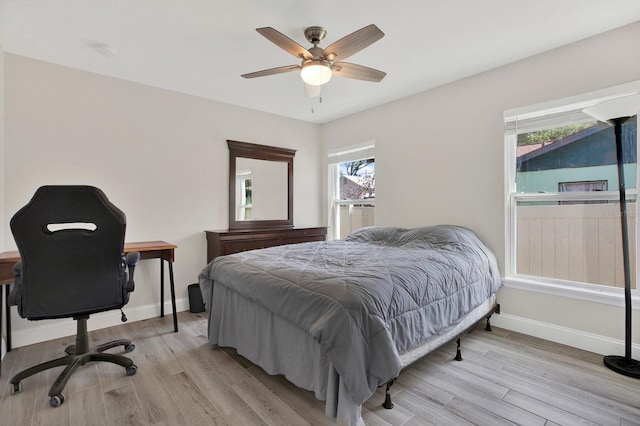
318,64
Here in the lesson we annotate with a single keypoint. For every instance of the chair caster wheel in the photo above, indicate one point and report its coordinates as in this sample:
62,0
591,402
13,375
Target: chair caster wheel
130,347
56,400
17,387
131,370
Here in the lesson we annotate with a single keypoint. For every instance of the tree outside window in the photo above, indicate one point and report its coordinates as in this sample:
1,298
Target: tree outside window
357,179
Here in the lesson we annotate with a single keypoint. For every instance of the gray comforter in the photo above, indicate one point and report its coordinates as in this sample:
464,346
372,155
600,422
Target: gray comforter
367,298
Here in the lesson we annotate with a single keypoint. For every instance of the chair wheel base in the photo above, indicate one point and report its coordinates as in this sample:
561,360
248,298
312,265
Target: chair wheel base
73,362
56,400
70,350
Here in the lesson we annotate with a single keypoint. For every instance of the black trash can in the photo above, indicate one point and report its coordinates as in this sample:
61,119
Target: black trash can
195,298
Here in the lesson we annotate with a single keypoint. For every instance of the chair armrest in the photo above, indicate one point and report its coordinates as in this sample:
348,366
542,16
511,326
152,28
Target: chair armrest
17,268
16,287
132,260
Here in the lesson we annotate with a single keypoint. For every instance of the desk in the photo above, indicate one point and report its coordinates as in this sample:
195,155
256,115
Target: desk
148,250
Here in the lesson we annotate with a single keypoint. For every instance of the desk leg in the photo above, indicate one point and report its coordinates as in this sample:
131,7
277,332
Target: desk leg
173,297
162,288
3,303
6,299
173,293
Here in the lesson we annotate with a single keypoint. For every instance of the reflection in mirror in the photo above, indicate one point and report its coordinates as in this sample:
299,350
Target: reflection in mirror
260,186
261,189
243,195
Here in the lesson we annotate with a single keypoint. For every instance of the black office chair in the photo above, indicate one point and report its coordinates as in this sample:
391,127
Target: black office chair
71,243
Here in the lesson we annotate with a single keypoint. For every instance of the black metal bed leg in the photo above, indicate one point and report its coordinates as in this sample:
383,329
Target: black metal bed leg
458,356
387,397
488,326
495,311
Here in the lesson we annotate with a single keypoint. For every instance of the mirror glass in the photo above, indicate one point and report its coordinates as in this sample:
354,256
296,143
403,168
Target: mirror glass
260,186
261,189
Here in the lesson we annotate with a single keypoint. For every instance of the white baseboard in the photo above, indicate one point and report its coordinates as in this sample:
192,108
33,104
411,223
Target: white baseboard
54,329
567,336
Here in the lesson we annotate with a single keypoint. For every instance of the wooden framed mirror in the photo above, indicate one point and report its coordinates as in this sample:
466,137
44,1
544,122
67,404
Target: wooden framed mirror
260,186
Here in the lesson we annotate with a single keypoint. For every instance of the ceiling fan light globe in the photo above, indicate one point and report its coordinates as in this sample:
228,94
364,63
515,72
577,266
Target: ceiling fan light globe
311,91
315,73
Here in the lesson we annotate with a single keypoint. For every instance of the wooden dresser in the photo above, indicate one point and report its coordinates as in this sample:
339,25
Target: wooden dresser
220,243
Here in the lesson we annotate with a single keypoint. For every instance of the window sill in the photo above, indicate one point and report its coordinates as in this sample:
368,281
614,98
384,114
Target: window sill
595,294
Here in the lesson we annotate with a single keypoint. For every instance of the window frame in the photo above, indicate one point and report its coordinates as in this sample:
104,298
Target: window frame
565,288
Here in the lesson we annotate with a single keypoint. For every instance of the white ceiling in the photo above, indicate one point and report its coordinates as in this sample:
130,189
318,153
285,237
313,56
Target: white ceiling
201,47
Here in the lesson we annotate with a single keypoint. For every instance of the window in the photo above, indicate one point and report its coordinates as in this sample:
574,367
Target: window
243,189
352,190
562,198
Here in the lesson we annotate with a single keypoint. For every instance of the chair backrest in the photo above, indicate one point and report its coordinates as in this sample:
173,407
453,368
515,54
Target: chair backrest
71,243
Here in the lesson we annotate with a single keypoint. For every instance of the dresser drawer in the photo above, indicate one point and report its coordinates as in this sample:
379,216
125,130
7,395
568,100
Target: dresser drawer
305,233
230,247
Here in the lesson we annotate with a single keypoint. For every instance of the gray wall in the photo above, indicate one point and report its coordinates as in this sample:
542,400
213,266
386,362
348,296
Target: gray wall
2,214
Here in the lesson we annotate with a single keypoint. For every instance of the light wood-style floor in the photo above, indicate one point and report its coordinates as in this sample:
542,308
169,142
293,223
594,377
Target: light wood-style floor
505,378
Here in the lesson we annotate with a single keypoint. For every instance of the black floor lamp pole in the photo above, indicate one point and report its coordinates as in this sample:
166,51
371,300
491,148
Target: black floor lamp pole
624,365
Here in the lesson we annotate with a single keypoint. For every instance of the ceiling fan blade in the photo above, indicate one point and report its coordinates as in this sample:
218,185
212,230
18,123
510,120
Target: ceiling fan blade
285,42
353,43
272,71
358,72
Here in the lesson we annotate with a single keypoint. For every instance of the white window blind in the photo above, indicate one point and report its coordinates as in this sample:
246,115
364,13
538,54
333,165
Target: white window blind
565,115
352,154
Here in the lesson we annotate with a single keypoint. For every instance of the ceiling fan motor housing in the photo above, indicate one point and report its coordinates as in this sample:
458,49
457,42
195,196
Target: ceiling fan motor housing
315,34
317,53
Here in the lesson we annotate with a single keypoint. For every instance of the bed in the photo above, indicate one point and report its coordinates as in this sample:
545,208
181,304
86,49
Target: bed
342,317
